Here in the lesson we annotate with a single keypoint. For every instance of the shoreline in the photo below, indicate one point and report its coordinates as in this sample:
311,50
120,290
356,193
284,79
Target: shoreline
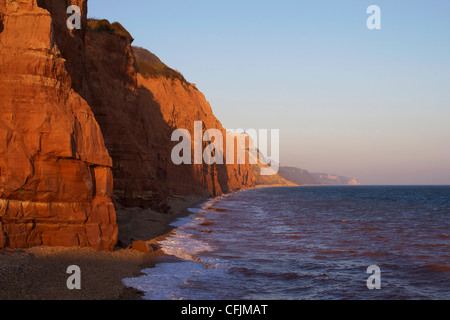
39,273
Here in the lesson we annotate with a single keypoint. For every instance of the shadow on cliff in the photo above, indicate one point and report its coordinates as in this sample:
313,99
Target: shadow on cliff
133,127
103,71
70,42
136,134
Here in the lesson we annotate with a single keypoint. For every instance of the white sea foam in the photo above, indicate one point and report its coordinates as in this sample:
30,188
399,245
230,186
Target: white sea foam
182,245
177,281
298,248
182,221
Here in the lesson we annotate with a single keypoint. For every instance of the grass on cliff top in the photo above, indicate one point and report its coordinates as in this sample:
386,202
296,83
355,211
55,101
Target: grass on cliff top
149,65
105,26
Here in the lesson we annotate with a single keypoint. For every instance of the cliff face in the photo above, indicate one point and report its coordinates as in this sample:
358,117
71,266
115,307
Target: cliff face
265,172
74,112
55,177
271,180
180,106
138,114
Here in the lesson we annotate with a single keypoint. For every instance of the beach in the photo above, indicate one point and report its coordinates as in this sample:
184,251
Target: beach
40,273
307,243
318,245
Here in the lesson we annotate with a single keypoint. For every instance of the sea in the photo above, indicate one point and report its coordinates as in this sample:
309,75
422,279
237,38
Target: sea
309,243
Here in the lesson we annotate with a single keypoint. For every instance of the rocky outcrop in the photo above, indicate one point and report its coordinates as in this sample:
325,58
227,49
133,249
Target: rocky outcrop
75,110
55,177
180,106
271,180
265,171
138,113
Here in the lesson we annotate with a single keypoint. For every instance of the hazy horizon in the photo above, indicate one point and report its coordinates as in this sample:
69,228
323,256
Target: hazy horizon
370,104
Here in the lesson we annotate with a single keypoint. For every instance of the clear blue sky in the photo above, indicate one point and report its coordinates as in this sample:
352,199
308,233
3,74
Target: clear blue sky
374,104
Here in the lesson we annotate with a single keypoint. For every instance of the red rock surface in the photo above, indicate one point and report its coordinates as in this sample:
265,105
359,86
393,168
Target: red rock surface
55,177
74,112
137,116
140,246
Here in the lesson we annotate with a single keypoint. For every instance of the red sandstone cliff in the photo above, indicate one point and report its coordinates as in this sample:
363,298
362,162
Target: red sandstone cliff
138,113
55,176
74,111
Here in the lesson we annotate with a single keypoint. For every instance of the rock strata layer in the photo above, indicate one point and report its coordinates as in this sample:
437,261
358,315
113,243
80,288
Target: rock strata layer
76,111
138,114
56,183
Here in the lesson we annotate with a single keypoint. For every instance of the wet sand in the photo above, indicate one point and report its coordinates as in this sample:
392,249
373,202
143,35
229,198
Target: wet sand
41,273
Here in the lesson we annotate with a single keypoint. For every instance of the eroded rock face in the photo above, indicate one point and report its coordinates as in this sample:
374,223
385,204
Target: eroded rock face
55,178
180,106
137,116
68,100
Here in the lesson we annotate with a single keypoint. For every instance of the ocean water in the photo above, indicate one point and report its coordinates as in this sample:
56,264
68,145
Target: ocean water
308,243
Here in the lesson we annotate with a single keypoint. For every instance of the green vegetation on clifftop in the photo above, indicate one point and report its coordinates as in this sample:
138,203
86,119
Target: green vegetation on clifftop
150,65
105,26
